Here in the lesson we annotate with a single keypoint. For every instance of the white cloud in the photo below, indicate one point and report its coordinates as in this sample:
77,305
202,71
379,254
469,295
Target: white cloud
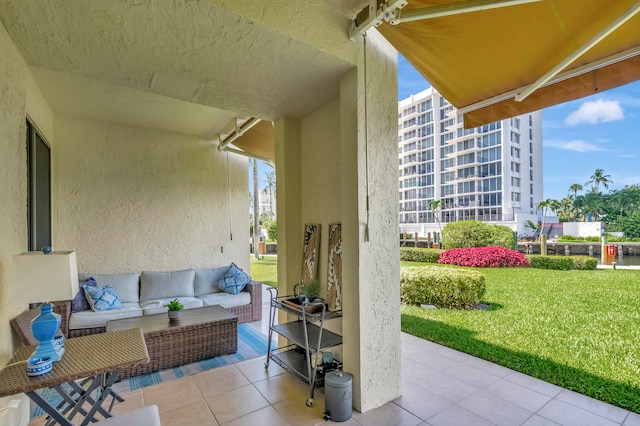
575,145
594,112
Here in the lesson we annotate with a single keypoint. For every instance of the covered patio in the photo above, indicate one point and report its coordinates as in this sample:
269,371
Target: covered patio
137,100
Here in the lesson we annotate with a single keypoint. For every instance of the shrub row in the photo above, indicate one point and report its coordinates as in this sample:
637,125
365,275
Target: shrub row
412,254
473,233
442,287
610,238
562,263
484,257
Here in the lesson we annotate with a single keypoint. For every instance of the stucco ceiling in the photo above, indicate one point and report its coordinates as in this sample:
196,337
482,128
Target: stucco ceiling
245,58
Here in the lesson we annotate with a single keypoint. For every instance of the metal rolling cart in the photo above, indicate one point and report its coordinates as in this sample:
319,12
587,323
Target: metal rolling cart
300,356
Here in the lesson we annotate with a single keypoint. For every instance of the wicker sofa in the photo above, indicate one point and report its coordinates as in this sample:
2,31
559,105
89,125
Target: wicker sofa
146,293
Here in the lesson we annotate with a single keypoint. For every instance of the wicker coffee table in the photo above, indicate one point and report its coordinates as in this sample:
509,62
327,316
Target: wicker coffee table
201,333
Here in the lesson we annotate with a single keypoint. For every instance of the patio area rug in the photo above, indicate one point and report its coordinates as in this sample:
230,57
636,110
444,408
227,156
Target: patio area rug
251,344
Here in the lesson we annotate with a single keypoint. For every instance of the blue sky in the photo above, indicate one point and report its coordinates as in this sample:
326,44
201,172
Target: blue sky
601,131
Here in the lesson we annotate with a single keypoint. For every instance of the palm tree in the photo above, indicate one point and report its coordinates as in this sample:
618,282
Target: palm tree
543,206
435,206
256,211
271,187
599,178
575,188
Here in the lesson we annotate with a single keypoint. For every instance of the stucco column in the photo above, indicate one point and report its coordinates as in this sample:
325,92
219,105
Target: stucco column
371,266
289,206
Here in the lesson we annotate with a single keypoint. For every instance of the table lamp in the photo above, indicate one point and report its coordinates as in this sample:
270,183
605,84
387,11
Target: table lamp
40,277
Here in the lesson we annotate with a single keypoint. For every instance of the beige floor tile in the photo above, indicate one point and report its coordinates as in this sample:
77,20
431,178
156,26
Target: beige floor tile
38,421
283,387
267,416
220,380
497,410
173,394
255,371
569,415
388,414
132,401
196,413
236,403
297,413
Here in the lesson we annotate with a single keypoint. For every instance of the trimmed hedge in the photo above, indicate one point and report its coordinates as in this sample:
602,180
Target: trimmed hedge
442,287
473,233
412,254
562,263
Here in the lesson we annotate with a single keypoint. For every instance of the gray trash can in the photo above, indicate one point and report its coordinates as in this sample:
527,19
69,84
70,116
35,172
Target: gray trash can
337,396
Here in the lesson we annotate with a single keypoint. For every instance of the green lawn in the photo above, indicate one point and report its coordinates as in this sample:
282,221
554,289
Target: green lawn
577,329
265,270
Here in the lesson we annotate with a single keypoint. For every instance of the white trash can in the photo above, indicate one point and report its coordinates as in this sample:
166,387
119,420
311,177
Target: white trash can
337,396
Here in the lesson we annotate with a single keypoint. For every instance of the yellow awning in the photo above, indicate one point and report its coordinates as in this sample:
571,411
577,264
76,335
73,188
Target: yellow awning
259,141
490,56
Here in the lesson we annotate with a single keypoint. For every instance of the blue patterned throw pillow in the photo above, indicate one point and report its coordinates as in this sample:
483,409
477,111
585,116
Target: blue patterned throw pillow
102,298
234,280
79,302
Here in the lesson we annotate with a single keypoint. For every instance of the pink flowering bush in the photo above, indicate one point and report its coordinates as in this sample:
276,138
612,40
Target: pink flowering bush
484,257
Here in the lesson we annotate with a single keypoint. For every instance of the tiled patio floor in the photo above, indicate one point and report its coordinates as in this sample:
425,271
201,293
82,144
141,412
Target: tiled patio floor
440,386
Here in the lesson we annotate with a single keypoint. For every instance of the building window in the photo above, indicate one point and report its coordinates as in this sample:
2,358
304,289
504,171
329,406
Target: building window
515,137
531,188
515,182
39,189
531,161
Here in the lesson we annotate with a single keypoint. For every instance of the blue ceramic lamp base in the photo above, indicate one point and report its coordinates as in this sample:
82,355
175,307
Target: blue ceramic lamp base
44,328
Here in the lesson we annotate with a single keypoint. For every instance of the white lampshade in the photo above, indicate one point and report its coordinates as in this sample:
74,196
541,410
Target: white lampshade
38,277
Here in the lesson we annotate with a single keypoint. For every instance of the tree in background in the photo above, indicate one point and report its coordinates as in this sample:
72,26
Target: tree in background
544,206
256,210
575,188
435,206
271,187
599,178
272,230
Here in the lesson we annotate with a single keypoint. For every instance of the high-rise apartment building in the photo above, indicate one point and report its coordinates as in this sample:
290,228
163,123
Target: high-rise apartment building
491,173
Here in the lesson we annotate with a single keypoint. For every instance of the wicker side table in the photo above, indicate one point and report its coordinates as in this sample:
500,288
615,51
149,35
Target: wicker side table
97,359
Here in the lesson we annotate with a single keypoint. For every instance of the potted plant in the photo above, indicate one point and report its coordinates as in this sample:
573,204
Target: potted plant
310,289
175,310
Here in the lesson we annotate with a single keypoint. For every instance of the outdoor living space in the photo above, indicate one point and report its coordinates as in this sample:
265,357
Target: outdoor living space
440,386
141,114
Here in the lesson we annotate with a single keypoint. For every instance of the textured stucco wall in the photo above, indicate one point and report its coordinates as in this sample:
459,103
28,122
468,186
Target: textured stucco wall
321,181
20,97
134,199
371,269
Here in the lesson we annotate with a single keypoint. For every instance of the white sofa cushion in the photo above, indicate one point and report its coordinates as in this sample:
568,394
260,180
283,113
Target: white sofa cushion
206,280
157,306
226,300
91,319
126,285
166,285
